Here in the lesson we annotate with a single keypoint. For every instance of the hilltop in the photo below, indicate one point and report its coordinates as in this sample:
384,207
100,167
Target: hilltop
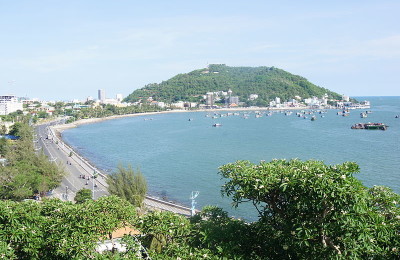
266,82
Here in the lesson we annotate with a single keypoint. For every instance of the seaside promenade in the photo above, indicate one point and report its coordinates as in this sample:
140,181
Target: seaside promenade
80,172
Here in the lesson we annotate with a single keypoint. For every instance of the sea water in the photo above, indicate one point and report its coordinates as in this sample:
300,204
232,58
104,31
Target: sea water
180,152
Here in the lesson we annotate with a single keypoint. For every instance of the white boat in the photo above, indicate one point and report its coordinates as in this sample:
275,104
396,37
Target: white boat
216,125
363,115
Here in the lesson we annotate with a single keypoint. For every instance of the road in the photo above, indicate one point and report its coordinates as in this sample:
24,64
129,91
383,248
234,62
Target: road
75,167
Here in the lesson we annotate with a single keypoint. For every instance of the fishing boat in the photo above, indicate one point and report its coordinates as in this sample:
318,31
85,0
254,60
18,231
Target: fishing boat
370,126
363,115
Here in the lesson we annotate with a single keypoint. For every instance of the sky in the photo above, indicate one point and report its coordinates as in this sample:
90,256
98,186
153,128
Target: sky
64,50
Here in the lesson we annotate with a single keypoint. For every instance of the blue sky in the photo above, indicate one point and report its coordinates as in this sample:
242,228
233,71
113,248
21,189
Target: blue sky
69,49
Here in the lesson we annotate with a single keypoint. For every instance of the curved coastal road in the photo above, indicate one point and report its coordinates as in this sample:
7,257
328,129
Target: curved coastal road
75,167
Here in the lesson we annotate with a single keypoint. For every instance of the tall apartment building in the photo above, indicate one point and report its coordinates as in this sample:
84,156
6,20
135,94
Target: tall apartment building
102,95
210,99
9,104
234,100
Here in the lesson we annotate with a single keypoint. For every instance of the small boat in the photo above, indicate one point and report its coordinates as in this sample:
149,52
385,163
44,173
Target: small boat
190,119
370,126
363,115
313,118
216,125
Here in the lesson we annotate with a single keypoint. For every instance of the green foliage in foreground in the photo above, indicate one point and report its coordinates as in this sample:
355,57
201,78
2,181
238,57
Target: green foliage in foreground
59,230
312,210
128,184
267,82
307,210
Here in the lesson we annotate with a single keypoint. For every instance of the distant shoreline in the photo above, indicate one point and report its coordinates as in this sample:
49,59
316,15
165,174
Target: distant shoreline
61,128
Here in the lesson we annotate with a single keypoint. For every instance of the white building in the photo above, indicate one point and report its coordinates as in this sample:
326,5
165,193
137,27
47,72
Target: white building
161,104
119,97
253,96
179,105
345,98
9,104
277,100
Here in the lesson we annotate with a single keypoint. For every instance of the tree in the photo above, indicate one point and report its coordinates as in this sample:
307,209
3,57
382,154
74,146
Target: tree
227,237
312,210
128,184
26,172
59,230
42,114
168,236
22,130
3,147
3,130
83,195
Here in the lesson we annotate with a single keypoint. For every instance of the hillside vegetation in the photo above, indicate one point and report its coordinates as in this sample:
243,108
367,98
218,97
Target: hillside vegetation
267,82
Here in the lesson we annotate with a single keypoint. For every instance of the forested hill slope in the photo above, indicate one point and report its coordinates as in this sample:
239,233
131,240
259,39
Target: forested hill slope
266,82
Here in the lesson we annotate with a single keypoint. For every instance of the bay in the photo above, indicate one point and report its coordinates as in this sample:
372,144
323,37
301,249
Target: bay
178,155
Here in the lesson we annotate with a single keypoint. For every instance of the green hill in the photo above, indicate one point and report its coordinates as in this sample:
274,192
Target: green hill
267,82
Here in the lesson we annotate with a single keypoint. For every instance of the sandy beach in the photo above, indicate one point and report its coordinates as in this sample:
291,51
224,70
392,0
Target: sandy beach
60,128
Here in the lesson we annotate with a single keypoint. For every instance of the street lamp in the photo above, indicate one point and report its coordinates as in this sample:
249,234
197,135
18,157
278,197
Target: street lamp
93,185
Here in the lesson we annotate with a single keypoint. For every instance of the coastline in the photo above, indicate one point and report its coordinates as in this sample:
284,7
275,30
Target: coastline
61,128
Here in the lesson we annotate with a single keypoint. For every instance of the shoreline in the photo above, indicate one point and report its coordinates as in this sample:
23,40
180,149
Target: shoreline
61,128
